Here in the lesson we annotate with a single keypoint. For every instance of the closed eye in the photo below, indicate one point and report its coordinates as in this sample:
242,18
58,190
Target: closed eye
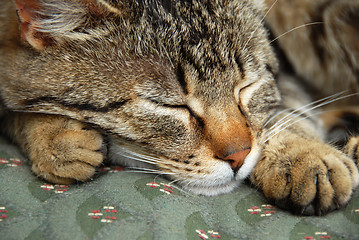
247,85
238,91
158,103
197,118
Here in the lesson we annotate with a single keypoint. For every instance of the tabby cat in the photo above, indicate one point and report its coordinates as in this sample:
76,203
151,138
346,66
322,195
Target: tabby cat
188,89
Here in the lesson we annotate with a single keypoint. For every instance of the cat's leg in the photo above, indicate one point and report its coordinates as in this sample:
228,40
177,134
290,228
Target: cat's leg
301,173
342,124
62,150
352,146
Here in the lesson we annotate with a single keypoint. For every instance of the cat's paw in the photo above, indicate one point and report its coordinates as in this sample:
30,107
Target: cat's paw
305,176
65,150
352,149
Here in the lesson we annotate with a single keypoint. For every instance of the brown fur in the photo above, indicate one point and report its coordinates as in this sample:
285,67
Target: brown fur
60,148
181,88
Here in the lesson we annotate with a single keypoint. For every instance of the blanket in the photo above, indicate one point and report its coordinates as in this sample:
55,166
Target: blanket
121,204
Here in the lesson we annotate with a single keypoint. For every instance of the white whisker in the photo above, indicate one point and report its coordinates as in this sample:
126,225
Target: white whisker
127,155
154,179
138,171
260,24
293,29
142,160
275,127
273,133
300,108
270,8
276,115
174,181
144,169
278,128
136,154
139,157
148,170
181,189
337,99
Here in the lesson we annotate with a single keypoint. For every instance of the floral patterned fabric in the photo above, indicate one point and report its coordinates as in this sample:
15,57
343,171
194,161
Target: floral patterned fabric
119,204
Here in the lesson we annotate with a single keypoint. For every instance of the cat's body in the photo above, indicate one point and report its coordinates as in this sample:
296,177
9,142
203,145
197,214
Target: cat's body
324,53
185,88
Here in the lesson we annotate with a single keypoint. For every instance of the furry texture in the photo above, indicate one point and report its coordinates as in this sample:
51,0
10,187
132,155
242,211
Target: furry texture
187,89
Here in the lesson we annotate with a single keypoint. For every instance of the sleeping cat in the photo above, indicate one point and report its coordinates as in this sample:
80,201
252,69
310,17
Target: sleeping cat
187,89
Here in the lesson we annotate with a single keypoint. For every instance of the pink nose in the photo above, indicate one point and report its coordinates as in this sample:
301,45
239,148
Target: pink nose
236,159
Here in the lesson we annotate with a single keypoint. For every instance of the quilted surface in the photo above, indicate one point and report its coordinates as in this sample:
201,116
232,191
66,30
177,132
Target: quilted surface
119,204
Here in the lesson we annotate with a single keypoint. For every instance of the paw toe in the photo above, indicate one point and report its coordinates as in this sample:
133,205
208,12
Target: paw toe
65,174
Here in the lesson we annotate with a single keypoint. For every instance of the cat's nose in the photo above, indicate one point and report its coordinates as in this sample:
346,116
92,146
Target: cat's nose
236,159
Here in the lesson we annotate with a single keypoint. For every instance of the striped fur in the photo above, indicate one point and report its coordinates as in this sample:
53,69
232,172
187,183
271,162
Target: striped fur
187,89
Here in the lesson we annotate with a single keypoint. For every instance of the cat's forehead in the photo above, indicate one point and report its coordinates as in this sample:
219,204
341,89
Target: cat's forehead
188,31
203,50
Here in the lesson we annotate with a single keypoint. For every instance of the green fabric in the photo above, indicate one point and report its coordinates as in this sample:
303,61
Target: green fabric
119,204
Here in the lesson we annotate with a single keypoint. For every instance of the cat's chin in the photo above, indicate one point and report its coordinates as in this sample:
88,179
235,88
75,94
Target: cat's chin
212,190
222,180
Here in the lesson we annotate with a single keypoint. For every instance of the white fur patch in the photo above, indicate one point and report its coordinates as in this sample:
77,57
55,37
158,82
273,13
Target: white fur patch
177,113
195,105
249,162
220,180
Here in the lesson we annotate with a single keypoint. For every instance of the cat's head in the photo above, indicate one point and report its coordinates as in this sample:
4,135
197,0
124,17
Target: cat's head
183,87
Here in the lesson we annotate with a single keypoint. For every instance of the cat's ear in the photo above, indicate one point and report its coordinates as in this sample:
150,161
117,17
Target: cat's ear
45,23
343,19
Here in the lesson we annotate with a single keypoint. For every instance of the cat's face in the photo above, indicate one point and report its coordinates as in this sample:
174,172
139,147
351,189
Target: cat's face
185,90
206,135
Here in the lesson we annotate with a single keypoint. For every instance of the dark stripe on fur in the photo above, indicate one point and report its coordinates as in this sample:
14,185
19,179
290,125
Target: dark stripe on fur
199,120
355,153
192,61
239,63
79,106
181,79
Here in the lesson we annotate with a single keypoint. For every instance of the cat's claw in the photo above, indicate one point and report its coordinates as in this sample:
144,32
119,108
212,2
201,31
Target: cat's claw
305,176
